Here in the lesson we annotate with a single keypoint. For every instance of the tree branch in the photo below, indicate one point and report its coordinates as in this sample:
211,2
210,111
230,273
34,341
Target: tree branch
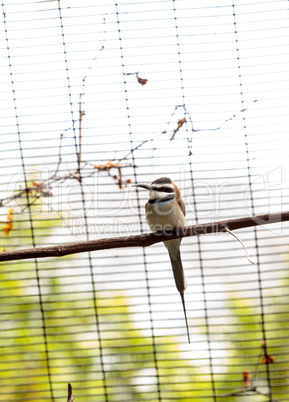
70,398
146,239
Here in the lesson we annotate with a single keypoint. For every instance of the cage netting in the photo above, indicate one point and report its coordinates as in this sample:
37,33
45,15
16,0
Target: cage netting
96,97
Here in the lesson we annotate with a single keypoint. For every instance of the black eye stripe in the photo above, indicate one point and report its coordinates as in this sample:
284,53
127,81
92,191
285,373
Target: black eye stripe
163,189
162,199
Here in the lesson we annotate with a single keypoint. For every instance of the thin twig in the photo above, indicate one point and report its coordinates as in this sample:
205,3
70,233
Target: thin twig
235,115
70,398
186,112
48,183
146,239
37,197
239,392
137,147
76,175
270,398
248,392
243,245
81,114
59,155
257,365
93,60
19,194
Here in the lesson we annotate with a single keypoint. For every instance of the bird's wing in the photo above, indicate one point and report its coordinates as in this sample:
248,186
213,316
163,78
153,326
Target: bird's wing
182,206
147,207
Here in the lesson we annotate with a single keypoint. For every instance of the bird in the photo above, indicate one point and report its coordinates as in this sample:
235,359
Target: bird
165,210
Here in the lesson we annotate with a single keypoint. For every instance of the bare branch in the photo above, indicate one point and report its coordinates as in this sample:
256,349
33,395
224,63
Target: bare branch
249,391
81,114
204,129
69,396
134,149
146,239
180,124
59,156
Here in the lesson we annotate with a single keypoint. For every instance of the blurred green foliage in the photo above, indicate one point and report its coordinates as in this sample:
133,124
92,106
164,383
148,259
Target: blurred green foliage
62,335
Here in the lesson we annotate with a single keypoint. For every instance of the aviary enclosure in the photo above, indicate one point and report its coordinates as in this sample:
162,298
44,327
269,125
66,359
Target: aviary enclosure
99,96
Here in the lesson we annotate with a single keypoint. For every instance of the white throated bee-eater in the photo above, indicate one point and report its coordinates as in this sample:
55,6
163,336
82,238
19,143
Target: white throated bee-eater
165,210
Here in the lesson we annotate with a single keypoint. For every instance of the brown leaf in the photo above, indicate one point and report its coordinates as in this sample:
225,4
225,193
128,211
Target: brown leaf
121,182
180,124
247,378
107,166
9,225
267,359
142,81
41,188
76,176
118,179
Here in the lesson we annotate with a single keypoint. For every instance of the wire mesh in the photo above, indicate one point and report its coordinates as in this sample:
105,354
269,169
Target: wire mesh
91,97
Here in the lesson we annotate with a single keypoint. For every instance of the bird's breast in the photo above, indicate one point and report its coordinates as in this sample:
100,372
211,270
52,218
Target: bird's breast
165,215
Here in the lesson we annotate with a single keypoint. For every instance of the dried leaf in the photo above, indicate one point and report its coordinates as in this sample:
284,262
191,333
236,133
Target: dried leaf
267,359
247,378
120,182
117,178
180,124
76,176
9,225
107,166
41,188
141,81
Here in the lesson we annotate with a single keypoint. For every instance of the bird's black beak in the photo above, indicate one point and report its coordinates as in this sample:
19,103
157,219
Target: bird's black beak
145,186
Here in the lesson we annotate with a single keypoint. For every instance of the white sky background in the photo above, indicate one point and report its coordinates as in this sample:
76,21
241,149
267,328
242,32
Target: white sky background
211,93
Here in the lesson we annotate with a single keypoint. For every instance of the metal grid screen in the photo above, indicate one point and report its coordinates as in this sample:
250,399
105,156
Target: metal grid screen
91,95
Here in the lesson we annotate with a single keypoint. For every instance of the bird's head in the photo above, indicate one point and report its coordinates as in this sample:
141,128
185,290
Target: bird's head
160,188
